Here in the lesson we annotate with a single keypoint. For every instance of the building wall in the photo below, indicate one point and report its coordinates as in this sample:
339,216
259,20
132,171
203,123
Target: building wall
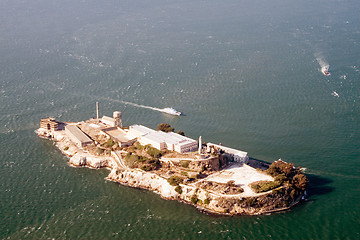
239,156
108,121
188,147
160,145
49,124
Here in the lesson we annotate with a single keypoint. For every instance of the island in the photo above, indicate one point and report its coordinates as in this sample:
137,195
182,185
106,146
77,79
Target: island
213,178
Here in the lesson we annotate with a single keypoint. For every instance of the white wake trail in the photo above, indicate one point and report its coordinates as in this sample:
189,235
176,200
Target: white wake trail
132,104
322,62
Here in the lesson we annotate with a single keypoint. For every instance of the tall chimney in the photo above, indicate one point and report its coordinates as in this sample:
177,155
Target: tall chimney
200,145
97,110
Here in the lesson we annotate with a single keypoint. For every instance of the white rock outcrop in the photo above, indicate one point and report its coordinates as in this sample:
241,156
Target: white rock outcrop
141,179
82,160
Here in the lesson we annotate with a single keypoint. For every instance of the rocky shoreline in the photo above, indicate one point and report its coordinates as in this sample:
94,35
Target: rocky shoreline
212,192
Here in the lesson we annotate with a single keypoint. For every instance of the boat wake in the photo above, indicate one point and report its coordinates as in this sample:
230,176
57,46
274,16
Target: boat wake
170,111
323,64
133,104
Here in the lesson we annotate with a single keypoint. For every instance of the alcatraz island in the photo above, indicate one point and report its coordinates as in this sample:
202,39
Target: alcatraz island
213,178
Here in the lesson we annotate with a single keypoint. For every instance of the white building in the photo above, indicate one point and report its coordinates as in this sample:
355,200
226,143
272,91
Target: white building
161,140
135,131
181,143
154,139
239,156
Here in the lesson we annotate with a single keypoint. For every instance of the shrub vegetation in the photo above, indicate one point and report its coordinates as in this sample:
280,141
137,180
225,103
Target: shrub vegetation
99,151
181,133
194,199
185,163
146,167
286,173
264,186
165,127
178,189
175,180
109,143
155,153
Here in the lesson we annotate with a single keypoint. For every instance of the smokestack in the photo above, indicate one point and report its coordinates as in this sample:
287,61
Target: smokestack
97,110
200,145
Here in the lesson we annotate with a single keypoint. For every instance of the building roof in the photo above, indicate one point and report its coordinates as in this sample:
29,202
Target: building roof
80,135
186,142
230,150
136,131
168,138
108,119
117,134
153,136
180,137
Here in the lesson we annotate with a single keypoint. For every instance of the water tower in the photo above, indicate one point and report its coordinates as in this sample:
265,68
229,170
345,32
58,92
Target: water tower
117,117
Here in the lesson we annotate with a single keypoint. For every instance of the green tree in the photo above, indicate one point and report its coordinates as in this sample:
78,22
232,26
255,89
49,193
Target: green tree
300,181
155,153
280,167
178,189
181,133
165,127
175,180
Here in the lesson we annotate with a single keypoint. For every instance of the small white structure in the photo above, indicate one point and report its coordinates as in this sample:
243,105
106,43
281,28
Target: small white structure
239,156
77,136
115,121
161,140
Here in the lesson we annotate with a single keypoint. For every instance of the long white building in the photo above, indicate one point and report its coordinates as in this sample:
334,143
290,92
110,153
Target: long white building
239,156
161,140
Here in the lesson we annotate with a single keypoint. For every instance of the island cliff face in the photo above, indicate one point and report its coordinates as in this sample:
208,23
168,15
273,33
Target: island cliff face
214,184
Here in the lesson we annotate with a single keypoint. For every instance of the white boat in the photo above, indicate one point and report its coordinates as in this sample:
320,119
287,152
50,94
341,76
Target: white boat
171,111
325,70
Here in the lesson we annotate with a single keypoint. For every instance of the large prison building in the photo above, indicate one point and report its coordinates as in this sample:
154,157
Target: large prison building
161,140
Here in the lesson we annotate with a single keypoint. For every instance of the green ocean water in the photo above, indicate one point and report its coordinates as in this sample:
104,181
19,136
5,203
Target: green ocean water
244,73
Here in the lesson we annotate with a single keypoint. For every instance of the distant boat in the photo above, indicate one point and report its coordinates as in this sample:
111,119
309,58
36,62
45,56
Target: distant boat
335,94
325,70
171,111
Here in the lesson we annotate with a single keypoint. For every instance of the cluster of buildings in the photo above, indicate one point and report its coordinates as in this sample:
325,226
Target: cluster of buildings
112,127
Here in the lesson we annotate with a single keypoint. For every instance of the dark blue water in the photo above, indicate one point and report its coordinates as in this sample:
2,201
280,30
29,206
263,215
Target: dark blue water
245,73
